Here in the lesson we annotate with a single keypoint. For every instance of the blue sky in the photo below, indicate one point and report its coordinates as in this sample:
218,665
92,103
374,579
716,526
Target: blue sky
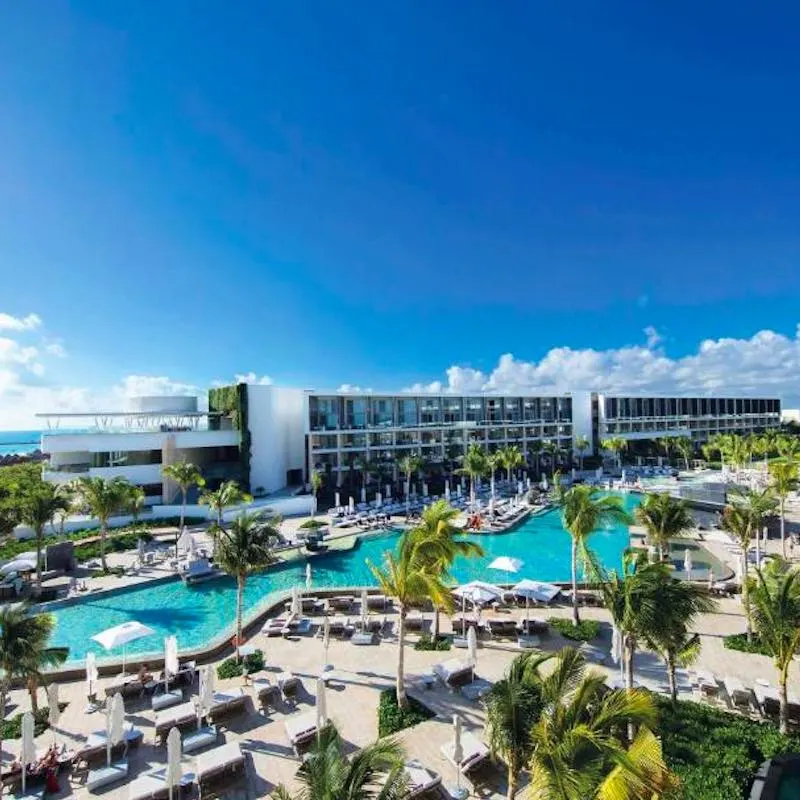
373,192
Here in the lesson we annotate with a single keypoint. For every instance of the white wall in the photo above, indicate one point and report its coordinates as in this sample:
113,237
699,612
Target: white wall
134,441
582,418
277,435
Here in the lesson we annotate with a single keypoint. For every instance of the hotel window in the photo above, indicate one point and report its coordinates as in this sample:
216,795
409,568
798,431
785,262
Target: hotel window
474,409
530,409
564,409
739,406
624,407
454,435
704,407
512,408
453,409
325,461
533,433
323,442
497,434
477,436
407,412
430,411
494,410
431,437
406,438
648,410
354,440
355,412
548,407
323,413
381,439
382,413
611,408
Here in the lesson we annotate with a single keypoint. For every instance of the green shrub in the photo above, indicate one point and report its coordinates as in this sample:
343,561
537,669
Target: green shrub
114,544
231,668
738,641
427,642
313,524
11,727
391,718
582,632
716,754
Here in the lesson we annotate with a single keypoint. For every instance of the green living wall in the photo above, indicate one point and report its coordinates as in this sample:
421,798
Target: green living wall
231,401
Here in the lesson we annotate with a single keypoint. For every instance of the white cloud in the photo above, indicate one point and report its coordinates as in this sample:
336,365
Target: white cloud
251,377
55,348
12,352
9,323
654,338
151,385
349,388
768,363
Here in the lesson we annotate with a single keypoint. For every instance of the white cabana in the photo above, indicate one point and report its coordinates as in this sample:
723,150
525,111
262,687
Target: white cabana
121,636
322,705
27,751
174,771
536,590
478,592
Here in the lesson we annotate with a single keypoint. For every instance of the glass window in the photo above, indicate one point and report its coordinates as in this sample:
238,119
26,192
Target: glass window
530,409
407,411
430,411
453,409
323,441
323,413
474,409
382,412
548,409
513,409
354,440
565,409
381,439
355,412
494,410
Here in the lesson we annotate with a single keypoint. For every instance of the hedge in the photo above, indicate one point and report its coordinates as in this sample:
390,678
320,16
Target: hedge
738,641
11,727
427,642
231,668
716,754
582,632
391,718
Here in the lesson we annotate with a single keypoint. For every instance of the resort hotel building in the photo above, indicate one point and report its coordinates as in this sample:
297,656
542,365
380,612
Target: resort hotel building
270,438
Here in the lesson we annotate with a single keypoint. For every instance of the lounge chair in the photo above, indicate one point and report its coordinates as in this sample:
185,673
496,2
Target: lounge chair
421,780
175,717
150,786
474,751
738,693
125,686
276,625
199,571
534,625
339,625
288,683
708,685
227,702
108,774
342,602
363,638
454,672
415,621
167,699
378,601
501,627
217,764
264,689
301,728
199,738
476,690
297,627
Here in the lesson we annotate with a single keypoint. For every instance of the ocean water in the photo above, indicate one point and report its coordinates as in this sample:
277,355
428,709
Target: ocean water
19,442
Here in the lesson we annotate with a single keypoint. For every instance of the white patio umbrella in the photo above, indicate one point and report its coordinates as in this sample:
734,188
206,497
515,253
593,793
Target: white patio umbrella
352,505
478,592
171,662
205,698
507,564
174,771
616,648
184,541
115,724
27,753
322,705
18,565
447,490
121,636
337,499
458,750
308,576
140,545
297,608
91,675
472,648
687,563
53,711
545,485
710,578
378,500
364,609
326,641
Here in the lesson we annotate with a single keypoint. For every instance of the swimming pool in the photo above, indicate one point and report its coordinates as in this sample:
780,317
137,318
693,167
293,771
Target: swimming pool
202,614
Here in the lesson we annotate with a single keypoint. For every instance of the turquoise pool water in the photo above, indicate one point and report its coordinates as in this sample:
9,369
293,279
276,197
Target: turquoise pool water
200,614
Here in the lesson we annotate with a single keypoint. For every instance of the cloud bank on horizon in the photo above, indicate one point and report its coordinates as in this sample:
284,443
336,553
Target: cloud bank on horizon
768,363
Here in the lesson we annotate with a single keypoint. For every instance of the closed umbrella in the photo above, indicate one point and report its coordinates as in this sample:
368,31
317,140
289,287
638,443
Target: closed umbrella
447,491
326,640
297,608
91,675
337,499
174,772
458,750
378,500
710,579
27,753
53,711
115,724
140,545
687,563
171,663
352,506
364,609
205,697
472,648
121,636
308,576
322,710
185,541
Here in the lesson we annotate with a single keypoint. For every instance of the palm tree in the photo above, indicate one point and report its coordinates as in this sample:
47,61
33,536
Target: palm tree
616,445
721,443
474,466
769,443
437,524
669,631
134,503
583,511
552,450
185,475
25,652
664,517
408,465
511,458
738,452
784,481
685,447
582,445
759,504
513,706
534,452
776,617
788,448
577,750
494,461
407,575
738,522
227,494
39,507
102,498
66,491
373,773
667,444
317,480
242,549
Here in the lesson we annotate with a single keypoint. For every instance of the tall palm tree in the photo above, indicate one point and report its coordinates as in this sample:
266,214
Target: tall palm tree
25,652
511,458
408,465
788,447
664,517
494,461
721,442
407,575
784,477
474,466
535,454
39,507
582,445
583,510
552,450
103,498
769,443
373,773
66,491
226,495
577,750
776,617
438,525
242,549
616,445
685,447
678,604
513,706
738,522
134,503
185,475
667,444
759,504
317,480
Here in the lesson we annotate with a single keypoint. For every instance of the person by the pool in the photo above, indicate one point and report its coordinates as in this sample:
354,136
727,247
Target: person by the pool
145,676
